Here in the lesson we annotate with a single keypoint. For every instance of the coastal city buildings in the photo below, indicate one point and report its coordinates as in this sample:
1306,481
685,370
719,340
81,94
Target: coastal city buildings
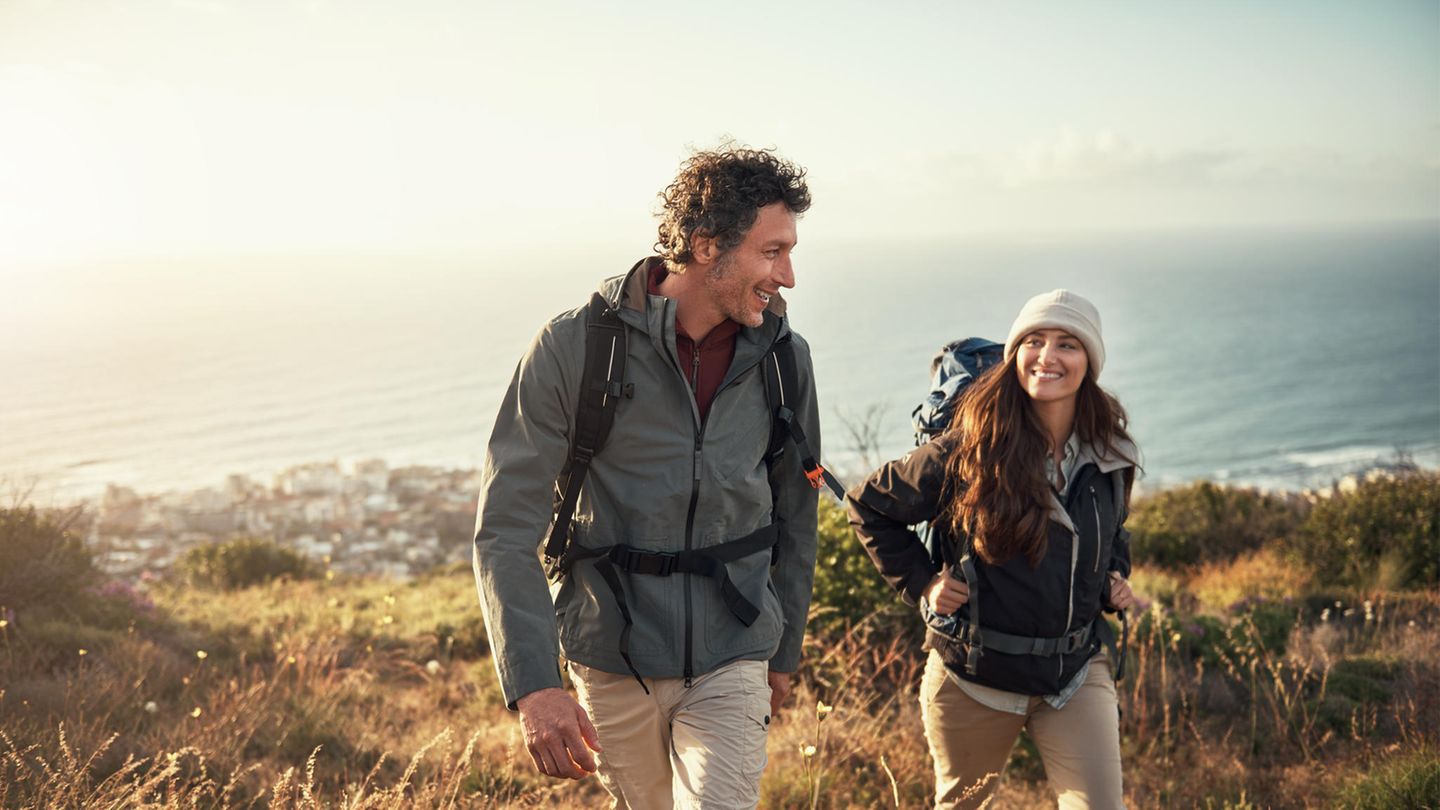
364,518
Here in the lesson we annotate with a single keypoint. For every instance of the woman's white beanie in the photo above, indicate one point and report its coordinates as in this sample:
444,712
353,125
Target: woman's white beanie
1061,309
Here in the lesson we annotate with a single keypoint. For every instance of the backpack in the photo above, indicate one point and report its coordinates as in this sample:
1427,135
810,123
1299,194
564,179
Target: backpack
601,389
952,370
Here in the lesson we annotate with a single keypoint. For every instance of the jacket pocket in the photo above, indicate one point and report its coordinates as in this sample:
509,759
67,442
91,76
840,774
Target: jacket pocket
590,619
724,633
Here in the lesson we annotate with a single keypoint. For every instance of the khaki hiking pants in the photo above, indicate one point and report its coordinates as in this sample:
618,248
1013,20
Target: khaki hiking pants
970,743
678,747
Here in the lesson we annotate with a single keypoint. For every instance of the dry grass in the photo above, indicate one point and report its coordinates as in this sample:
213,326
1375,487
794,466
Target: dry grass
306,696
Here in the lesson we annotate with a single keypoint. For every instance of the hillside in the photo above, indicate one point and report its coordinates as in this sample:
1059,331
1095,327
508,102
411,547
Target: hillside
1263,673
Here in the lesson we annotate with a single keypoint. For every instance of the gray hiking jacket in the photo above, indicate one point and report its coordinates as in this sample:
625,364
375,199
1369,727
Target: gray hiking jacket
639,491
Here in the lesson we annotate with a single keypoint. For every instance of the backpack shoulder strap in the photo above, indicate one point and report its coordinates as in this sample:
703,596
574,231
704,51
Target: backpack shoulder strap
601,387
782,384
1123,481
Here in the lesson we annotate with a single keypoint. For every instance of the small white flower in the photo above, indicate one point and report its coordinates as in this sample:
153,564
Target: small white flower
433,667
151,707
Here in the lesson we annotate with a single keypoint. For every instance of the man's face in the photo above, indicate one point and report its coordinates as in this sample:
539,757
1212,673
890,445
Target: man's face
744,278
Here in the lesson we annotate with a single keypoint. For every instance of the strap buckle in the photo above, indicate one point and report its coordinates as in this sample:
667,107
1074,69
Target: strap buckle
816,476
1077,640
638,561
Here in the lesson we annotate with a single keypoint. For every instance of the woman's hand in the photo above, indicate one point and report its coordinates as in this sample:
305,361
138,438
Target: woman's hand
1121,597
945,593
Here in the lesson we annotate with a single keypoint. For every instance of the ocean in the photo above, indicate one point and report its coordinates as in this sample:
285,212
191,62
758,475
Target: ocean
1280,359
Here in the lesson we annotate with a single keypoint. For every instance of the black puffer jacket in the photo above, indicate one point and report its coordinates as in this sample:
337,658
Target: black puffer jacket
1063,594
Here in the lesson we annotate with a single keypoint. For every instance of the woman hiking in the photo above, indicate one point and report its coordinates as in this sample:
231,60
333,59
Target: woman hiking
1027,492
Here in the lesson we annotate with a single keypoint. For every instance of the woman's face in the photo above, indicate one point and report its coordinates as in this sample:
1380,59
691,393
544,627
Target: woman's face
1051,364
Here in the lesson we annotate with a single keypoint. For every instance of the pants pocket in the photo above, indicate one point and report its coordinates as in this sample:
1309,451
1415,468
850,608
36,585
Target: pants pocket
933,680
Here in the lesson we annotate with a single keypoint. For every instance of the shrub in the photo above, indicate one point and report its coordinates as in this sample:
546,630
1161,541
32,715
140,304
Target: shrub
1408,780
1259,575
847,586
1384,534
1204,522
241,563
41,561
1267,624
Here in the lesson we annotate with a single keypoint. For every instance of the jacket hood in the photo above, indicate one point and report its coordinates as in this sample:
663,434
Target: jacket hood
1123,454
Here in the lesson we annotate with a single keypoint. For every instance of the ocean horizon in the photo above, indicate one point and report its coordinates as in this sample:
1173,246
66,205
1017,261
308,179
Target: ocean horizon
1278,359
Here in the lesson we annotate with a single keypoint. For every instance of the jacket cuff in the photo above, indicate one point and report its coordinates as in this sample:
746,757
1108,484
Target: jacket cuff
529,675
785,659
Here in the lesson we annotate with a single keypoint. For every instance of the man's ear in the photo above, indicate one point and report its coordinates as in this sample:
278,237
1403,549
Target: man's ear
704,248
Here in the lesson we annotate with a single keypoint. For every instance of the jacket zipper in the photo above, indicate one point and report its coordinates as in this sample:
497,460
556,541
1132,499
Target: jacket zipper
1074,563
1095,507
690,518
689,539
1070,599
694,501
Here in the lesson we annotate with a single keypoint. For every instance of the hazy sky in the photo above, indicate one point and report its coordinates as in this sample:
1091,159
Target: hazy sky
220,127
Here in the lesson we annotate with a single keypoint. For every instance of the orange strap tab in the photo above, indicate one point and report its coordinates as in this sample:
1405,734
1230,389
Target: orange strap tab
816,476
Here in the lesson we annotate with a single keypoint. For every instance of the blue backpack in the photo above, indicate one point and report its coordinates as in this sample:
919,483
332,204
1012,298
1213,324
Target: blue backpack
953,368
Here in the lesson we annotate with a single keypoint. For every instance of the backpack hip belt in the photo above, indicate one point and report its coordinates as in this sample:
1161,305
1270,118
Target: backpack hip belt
1011,644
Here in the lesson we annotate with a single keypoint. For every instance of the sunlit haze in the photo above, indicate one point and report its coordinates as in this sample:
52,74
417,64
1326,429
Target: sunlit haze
203,127
220,216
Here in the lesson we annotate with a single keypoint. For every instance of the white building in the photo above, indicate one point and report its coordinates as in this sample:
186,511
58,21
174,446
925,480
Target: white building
311,479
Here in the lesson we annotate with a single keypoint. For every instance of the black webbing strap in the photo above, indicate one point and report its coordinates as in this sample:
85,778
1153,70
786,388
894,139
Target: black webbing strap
782,380
707,562
601,386
973,634
1011,644
613,580
1122,513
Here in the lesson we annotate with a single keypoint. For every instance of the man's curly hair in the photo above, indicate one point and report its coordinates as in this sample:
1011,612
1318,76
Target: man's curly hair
719,193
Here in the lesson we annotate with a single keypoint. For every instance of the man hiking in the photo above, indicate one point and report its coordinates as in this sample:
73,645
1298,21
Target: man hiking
654,447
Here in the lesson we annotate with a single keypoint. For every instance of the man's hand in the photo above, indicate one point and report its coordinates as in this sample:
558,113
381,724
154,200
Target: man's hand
779,689
945,593
1121,597
557,733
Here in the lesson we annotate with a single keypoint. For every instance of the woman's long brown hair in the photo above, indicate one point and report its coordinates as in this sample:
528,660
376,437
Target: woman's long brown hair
996,474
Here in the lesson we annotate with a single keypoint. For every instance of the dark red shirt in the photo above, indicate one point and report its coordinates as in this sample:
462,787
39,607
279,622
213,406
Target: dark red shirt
703,364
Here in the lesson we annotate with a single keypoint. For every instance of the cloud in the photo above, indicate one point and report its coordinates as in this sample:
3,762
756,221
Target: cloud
1105,156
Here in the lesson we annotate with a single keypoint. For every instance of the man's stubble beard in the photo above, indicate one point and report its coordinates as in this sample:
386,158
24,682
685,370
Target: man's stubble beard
731,301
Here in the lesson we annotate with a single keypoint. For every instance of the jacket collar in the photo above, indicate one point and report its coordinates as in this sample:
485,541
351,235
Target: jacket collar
655,315
1124,454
